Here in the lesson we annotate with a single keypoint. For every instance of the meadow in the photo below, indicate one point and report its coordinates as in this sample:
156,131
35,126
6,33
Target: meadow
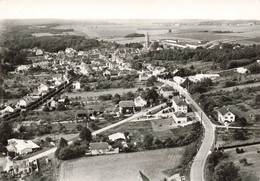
123,166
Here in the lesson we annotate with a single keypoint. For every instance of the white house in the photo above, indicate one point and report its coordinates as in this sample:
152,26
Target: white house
200,77
76,85
225,115
39,52
99,148
140,102
43,89
7,109
179,117
242,70
179,80
179,105
21,146
21,103
158,70
116,136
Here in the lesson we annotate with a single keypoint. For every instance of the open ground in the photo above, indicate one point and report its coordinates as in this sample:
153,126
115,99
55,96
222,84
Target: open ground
125,166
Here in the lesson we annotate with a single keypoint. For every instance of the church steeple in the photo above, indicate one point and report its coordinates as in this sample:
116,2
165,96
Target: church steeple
147,41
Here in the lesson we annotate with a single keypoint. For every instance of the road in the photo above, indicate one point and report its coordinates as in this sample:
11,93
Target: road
135,116
198,165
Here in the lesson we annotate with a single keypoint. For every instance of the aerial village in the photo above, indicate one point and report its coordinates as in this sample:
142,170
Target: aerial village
75,95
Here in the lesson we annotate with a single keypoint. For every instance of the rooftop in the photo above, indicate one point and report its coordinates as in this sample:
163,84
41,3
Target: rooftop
128,103
99,146
178,101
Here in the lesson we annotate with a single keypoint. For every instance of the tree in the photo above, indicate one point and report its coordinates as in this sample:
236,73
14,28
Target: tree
150,82
116,99
148,141
62,143
226,171
240,134
85,134
242,121
257,99
6,132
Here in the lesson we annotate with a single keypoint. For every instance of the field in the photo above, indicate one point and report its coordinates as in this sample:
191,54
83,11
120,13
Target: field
243,34
121,166
253,159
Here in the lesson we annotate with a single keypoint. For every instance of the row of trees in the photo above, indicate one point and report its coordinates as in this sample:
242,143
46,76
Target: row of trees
222,56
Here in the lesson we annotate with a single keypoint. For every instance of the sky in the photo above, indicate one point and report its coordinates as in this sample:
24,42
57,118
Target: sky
130,9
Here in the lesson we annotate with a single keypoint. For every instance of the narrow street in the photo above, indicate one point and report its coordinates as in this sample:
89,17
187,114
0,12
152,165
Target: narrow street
198,165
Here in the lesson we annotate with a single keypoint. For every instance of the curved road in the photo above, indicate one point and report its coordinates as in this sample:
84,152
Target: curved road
197,168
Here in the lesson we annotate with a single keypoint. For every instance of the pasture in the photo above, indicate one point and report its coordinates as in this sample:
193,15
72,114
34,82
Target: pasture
123,166
253,159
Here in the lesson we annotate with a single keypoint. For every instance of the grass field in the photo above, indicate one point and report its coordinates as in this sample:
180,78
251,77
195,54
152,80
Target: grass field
253,159
125,166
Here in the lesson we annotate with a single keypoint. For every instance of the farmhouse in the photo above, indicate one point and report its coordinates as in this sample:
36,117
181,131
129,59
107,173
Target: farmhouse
139,102
126,107
179,105
21,146
225,115
179,118
99,148
116,136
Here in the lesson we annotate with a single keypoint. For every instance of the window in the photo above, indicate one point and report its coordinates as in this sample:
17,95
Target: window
231,117
225,117
229,114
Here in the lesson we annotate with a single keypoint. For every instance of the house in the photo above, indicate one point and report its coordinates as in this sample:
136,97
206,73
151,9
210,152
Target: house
106,73
21,146
43,89
242,70
140,102
82,115
70,51
200,77
158,70
76,85
80,53
225,115
64,101
126,107
21,103
179,117
176,177
166,91
179,80
7,109
52,104
22,68
179,105
39,52
99,148
116,136
143,76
